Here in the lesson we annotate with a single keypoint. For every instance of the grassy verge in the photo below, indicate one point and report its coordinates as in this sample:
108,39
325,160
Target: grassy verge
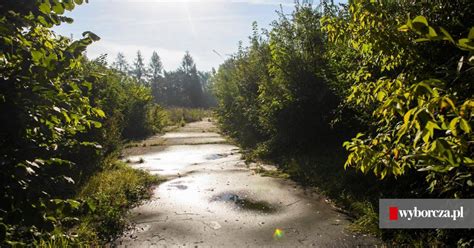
113,191
110,194
181,116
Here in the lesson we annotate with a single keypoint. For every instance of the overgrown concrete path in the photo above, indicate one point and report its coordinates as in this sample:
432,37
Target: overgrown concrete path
213,199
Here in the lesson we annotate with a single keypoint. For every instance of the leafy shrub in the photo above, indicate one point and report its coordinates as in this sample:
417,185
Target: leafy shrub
44,106
113,191
64,117
399,73
421,118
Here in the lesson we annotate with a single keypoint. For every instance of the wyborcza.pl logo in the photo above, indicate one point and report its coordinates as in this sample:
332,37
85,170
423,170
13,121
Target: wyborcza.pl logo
409,214
426,213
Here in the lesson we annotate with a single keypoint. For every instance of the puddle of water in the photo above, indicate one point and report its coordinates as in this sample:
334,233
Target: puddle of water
245,203
217,156
175,158
178,186
172,135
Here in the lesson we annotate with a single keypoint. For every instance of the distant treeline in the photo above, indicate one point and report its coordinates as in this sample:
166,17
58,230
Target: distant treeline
184,87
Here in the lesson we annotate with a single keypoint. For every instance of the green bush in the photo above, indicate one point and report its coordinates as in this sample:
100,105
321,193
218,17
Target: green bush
64,118
417,87
113,192
399,73
44,108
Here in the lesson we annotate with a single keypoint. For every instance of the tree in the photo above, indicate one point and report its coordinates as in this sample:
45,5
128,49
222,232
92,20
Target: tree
155,67
187,64
139,70
44,107
205,79
121,63
192,85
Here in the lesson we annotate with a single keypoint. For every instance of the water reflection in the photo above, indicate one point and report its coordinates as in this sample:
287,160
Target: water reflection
244,202
175,158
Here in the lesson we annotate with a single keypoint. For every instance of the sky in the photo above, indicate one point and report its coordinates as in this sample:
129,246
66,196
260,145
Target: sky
209,29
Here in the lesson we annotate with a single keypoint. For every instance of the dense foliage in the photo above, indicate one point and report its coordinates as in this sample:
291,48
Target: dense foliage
392,78
64,118
417,82
275,94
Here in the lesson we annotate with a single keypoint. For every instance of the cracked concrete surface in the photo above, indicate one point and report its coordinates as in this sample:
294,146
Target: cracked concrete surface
202,167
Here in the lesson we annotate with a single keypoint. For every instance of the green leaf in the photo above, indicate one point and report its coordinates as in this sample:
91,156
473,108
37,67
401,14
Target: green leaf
69,5
466,44
36,56
422,40
58,8
381,95
447,101
426,136
91,205
432,33
453,125
403,28
91,35
430,126
465,125
68,20
99,112
406,117
45,7
471,34
96,124
447,35
74,204
420,19
420,24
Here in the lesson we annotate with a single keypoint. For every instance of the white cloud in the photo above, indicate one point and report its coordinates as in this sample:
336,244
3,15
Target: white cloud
171,27
171,58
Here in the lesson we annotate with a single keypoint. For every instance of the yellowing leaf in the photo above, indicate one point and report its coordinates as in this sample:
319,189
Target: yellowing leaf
453,125
420,19
465,125
471,34
381,95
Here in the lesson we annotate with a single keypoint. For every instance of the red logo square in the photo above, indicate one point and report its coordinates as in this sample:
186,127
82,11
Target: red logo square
393,213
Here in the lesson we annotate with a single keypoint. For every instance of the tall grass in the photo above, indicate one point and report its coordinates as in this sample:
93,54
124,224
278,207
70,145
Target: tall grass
180,116
56,241
113,191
